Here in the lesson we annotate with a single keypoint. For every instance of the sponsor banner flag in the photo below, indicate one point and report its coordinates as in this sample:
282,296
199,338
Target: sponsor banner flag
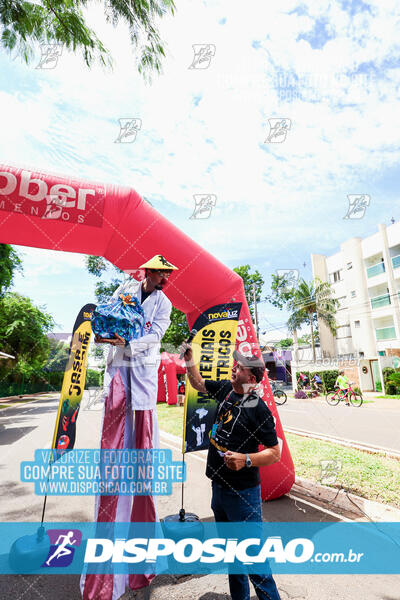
213,348
73,382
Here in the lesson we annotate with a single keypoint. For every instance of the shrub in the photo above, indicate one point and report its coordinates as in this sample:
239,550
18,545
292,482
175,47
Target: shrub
391,378
93,378
328,378
395,379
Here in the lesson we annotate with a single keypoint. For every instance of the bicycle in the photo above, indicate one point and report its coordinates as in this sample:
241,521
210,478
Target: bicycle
334,397
279,395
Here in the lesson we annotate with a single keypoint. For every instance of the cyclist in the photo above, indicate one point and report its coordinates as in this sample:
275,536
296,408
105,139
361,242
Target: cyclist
304,379
343,383
317,382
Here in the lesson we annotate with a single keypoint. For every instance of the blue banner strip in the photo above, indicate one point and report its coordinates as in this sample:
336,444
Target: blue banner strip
196,547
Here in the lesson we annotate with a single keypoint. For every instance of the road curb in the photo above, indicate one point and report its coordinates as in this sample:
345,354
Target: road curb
7,399
343,442
343,500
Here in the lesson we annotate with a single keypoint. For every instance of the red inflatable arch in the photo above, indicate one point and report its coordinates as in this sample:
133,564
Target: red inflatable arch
51,211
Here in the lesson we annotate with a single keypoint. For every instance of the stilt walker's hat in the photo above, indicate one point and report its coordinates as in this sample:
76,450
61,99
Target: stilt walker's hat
158,262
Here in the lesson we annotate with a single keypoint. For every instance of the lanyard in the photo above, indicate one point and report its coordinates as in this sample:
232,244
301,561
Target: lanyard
238,402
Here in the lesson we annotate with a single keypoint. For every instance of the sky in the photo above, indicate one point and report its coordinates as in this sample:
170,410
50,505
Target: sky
328,72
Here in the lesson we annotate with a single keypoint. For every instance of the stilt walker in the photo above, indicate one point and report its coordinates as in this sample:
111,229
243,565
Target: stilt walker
129,414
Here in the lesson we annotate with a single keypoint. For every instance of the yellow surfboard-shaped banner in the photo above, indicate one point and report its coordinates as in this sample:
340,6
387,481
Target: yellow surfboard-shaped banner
73,382
213,348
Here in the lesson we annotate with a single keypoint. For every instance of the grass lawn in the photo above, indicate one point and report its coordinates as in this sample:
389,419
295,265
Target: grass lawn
396,397
371,476
170,418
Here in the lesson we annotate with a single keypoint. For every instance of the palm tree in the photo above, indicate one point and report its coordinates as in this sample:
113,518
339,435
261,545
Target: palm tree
312,301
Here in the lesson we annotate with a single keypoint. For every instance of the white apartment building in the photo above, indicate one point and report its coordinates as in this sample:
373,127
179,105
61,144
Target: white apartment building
365,278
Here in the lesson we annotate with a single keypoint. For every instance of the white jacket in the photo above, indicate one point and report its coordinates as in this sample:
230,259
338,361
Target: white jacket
138,361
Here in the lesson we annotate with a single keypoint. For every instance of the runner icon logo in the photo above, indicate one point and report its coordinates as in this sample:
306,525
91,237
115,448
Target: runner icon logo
62,547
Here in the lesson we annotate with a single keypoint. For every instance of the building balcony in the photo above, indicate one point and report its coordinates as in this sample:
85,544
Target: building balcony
396,261
376,269
385,333
380,301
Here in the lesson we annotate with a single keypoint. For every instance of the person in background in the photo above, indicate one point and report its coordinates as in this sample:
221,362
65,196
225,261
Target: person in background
304,379
343,383
181,393
317,382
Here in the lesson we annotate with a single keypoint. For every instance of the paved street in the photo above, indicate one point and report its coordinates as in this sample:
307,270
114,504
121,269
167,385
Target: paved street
30,426
376,423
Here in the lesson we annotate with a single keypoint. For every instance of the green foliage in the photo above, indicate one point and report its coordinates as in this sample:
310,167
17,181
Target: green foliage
372,476
393,383
99,266
305,340
285,343
23,334
104,291
248,280
58,356
24,25
93,378
9,264
176,333
391,388
282,291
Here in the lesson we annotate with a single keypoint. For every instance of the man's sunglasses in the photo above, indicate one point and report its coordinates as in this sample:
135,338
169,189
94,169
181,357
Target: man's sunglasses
165,274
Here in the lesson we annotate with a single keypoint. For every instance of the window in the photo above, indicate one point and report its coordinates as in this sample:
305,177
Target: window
349,265
343,331
357,324
353,293
335,277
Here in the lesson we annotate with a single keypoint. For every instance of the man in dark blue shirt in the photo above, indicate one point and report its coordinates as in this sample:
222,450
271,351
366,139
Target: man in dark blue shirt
243,422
